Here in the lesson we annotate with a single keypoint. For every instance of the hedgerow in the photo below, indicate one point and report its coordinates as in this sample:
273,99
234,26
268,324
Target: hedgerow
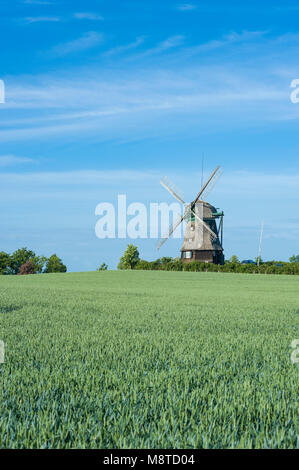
196,266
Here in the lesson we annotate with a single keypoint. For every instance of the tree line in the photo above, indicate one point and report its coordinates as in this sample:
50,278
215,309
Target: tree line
24,261
131,260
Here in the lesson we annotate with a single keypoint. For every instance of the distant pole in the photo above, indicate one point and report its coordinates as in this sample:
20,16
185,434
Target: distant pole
261,244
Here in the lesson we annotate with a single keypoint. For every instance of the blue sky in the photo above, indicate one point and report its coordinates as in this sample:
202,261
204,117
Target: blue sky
104,98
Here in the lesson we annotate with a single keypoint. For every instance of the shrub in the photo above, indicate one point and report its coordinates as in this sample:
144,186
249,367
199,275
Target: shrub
170,264
103,267
27,268
143,265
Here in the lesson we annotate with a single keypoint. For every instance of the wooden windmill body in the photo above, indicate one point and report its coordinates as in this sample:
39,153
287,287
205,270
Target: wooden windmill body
203,239
198,244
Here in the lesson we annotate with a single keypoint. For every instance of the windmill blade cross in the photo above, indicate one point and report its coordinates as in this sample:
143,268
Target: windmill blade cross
212,184
206,184
204,224
171,230
180,220
166,183
172,189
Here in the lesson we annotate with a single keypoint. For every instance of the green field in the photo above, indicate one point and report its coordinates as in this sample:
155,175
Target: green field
134,359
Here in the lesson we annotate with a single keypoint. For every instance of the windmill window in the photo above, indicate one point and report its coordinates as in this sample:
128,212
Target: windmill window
188,254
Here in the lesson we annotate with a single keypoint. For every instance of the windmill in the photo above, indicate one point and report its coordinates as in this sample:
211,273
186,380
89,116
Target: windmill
203,240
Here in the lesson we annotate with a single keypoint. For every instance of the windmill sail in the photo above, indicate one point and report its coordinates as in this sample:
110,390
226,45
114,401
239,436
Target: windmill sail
201,241
207,191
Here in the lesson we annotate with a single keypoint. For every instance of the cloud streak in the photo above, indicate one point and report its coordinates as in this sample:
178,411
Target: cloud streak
125,48
37,2
42,19
141,97
84,42
106,105
227,40
168,44
186,7
88,16
11,160
247,184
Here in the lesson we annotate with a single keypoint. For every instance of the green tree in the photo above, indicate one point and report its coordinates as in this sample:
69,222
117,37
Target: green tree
103,267
39,262
294,259
55,265
130,258
19,257
234,259
5,263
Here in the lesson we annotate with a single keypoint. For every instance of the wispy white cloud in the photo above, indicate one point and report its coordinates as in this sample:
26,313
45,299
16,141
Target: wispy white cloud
157,91
168,44
248,184
40,19
108,105
86,41
80,177
10,160
244,35
88,16
152,101
124,48
226,40
186,7
37,2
